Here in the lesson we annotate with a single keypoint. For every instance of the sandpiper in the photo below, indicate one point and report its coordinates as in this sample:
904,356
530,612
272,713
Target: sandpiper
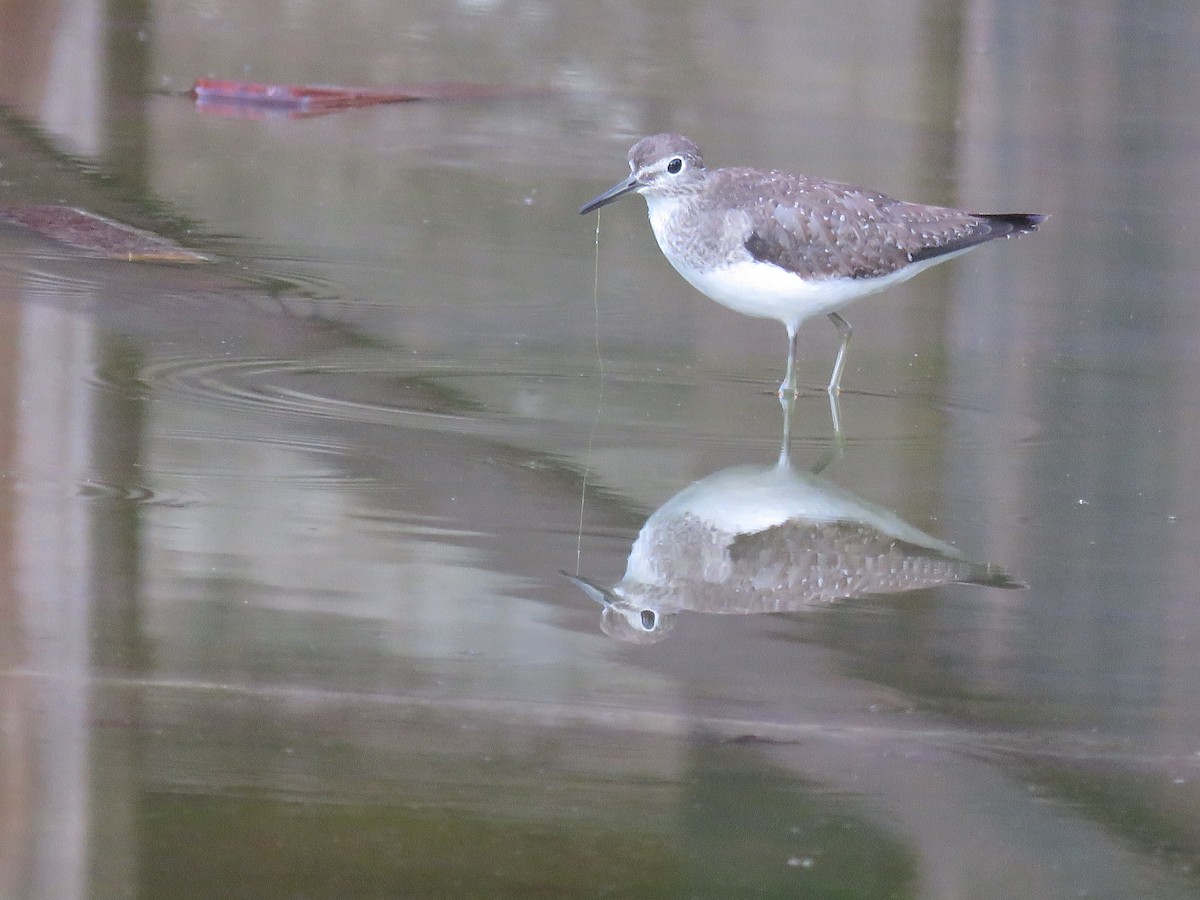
789,247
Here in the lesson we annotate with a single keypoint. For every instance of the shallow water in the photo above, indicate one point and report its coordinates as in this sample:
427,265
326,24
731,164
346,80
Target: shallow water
282,535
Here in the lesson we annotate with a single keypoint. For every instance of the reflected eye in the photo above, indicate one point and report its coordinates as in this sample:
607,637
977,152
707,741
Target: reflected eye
648,619
675,165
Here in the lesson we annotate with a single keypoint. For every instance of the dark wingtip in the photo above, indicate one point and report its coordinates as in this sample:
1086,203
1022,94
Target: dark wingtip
1014,223
998,225
991,575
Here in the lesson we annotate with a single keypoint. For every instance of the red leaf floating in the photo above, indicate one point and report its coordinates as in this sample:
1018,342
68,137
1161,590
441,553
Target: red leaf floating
251,99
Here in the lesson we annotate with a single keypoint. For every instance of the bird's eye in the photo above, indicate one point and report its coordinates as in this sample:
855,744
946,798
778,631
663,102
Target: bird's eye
648,619
675,165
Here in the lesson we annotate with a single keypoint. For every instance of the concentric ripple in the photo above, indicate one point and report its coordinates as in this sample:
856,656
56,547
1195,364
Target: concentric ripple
272,387
306,401
138,494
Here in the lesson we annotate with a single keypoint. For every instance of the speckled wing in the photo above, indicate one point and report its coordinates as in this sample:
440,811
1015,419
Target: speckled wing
832,560
823,229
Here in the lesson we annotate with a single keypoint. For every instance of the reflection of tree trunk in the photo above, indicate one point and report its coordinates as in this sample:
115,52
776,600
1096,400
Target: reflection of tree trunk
116,579
940,80
117,639
15,742
127,77
24,38
52,562
69,595
25,55
939,76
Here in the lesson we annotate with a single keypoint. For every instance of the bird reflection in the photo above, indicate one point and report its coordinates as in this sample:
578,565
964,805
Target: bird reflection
771,539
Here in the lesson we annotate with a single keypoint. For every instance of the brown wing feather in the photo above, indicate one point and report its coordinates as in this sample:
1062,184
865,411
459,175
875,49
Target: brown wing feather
827,229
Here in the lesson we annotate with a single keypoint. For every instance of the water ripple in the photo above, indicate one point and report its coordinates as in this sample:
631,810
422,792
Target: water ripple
272,387
139,494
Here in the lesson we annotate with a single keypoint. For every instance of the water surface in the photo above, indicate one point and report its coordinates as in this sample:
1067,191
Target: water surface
281,534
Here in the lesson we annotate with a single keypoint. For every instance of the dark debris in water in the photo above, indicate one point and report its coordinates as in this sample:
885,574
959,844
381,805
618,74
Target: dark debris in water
96,234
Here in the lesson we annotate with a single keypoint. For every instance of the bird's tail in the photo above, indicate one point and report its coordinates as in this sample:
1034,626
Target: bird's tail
1012,223
991,575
